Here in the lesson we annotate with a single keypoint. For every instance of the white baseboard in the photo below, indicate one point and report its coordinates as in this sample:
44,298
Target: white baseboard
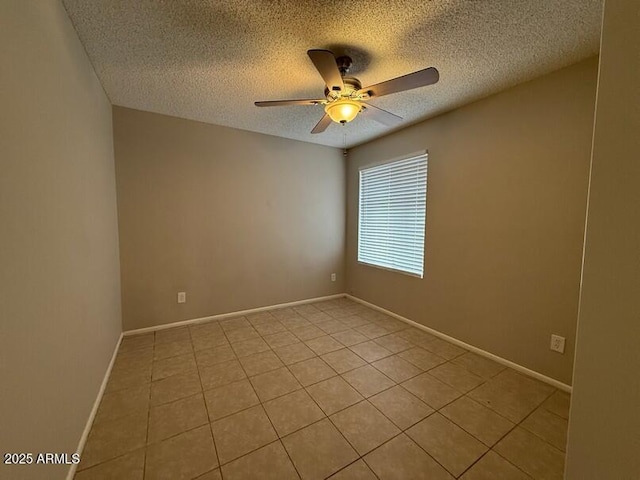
503,361
230,314
94,410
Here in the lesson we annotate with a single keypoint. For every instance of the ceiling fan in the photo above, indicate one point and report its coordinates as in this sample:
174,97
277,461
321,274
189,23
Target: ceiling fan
344,96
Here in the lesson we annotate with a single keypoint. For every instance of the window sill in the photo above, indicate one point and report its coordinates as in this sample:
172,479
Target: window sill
389,269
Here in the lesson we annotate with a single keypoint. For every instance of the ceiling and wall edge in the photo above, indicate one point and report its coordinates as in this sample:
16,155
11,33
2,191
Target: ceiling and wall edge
210,61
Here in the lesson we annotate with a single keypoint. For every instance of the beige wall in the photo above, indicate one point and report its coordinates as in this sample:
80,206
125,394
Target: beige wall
604,427
59,276
506,199
236,219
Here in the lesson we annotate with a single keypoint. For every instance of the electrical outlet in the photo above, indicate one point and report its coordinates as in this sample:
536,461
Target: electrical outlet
182,297
557,343
333,277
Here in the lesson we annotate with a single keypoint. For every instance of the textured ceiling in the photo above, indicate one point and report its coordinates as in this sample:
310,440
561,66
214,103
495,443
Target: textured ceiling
210,60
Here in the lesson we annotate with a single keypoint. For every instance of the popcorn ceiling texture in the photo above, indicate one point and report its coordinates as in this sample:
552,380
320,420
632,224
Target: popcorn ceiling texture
210,60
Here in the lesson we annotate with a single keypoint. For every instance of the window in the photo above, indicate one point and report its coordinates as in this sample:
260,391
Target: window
393,203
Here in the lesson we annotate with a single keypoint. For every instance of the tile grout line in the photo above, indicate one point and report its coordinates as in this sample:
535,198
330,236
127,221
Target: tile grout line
248,379
476,461
327,417
278,438
438,410
431,456
237,359
353,446
403,432
144,447
352,463
261,403
146,439
515,425
510,463
364,399
492,411
489,448
450,360
206,407
320,381
289,329
534,433
435,410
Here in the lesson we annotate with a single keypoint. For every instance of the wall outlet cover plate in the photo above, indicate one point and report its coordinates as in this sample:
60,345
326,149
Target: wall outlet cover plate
557,343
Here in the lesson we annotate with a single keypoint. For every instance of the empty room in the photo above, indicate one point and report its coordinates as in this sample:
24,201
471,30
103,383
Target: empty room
313,240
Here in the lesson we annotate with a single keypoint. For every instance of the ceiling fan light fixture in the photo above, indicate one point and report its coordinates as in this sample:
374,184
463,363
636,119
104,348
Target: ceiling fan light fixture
343,111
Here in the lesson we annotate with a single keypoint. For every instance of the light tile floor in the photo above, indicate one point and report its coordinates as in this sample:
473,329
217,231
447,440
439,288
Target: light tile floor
325,390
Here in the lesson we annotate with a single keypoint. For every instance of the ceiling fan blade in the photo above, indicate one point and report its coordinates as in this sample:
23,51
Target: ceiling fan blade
280,103
380,115
322,125
421,78
325,63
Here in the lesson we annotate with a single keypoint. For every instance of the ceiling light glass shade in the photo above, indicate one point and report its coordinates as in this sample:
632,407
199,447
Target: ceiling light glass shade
342,111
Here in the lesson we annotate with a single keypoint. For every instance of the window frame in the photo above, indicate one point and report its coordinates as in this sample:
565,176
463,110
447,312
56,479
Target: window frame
410,156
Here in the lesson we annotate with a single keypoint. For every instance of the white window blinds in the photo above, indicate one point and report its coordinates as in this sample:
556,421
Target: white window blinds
393,202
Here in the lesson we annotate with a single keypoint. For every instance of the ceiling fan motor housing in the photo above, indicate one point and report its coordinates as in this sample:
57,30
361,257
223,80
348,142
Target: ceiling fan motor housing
351,87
